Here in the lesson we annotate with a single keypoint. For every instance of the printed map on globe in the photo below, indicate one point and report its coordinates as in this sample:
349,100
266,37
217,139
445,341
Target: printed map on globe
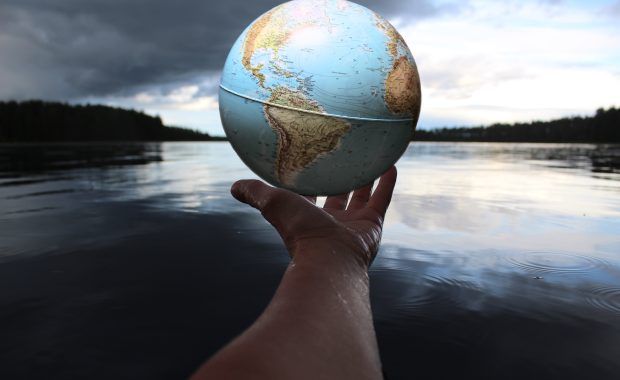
320,96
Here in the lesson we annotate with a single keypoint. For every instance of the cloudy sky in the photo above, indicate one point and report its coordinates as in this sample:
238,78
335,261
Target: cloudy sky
479,61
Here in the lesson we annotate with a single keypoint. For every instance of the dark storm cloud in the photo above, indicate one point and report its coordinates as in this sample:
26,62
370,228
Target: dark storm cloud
69,49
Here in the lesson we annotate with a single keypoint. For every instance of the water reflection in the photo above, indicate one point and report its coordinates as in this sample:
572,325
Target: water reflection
501,259
17,159
597,158
606,298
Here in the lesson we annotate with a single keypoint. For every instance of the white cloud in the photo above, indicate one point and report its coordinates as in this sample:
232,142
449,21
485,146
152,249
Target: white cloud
192,103
514,61
144,98
181,94
182,97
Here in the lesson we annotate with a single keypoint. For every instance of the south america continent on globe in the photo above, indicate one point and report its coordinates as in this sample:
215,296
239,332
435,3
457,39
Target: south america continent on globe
320,96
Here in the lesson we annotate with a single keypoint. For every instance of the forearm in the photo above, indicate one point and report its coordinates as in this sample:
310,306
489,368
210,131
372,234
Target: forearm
318,325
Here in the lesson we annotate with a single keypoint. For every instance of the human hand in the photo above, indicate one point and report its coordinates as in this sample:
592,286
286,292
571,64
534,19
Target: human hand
356,227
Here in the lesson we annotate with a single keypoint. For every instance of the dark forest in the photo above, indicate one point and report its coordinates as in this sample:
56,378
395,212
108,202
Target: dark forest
603,127
38,121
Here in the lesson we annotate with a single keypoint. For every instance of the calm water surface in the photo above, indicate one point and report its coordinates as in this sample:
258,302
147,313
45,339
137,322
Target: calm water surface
133,261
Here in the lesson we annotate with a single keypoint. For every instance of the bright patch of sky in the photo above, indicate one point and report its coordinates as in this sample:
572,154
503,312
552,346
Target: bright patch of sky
517,61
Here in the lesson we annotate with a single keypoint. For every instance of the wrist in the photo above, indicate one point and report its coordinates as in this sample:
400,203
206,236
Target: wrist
326,254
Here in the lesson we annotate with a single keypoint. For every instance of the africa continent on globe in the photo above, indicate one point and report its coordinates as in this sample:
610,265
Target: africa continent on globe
320,96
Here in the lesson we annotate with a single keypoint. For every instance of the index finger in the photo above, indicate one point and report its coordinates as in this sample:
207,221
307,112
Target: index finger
380,199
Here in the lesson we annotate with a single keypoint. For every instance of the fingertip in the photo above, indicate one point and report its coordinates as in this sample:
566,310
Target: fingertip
382,196
360,197
388,179
236,190
391,172
245,187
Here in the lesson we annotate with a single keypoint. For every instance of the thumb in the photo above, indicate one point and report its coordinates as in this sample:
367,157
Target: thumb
276,205
285,210
252,192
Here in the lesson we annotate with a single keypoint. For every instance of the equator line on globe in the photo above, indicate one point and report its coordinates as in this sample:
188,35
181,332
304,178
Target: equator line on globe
320,96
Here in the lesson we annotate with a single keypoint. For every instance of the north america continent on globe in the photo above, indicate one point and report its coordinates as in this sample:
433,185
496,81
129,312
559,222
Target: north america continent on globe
320,96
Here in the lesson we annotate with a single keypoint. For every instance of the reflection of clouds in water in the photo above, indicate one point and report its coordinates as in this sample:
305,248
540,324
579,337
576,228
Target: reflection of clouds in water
584,158
462,224
449,197
507,184
430,212
489,196
194,177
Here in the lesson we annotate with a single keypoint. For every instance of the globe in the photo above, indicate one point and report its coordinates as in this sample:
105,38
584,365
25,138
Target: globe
319,96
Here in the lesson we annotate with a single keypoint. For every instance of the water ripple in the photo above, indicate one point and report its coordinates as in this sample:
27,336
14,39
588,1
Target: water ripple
606,298
437,293
548,263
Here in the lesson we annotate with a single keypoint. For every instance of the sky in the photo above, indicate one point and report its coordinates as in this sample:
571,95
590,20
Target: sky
480,62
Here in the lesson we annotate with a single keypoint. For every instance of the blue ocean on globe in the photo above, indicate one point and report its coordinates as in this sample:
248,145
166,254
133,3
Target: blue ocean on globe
320,96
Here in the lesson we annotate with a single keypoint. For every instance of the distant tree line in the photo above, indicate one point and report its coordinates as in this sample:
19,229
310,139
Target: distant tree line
603,127
38,121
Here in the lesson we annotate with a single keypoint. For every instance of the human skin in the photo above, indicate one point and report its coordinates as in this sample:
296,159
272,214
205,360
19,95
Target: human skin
319,323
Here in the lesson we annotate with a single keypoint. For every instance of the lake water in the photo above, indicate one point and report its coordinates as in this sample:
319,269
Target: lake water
133,261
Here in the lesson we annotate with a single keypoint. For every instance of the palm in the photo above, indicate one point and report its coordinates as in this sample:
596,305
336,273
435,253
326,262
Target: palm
361,227
357,225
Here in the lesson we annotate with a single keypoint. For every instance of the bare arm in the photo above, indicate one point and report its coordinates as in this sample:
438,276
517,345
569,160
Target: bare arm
319,323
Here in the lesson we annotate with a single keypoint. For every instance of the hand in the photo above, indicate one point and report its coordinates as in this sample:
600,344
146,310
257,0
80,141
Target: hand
301,223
